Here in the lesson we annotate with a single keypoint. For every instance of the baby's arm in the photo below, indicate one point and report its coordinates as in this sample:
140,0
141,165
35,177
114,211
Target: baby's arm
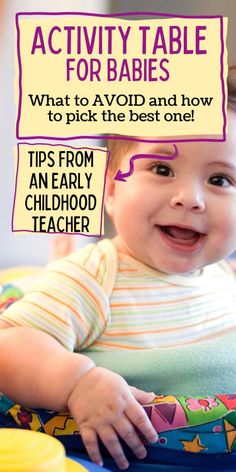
37,371
35,368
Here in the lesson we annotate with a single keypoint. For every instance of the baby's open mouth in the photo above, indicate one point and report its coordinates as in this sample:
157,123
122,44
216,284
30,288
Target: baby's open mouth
181,235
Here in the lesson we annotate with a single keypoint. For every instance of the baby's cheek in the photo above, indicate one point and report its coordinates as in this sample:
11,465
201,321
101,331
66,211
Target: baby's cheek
225,243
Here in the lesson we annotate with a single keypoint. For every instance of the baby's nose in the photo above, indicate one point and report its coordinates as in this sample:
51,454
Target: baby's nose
189,200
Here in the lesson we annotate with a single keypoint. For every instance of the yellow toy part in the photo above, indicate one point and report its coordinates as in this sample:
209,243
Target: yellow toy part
27,451
72,466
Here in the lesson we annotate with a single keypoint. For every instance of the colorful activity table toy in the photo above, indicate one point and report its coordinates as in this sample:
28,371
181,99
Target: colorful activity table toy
193,431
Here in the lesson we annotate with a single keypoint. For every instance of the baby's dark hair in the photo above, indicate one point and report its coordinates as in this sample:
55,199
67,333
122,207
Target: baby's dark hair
119,147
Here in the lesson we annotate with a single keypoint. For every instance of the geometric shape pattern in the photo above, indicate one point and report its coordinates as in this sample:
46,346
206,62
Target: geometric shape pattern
200,410
194,445
229,401
168,416
166,411
230,435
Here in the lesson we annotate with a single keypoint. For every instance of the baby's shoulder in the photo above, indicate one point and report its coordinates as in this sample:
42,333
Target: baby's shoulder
97,261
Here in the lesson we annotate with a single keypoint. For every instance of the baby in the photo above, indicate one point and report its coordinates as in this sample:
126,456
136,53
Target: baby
158,283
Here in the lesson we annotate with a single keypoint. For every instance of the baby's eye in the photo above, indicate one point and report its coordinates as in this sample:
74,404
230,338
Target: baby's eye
220,181
162,169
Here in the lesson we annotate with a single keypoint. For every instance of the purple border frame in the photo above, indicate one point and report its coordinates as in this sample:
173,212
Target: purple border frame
59,232
104,136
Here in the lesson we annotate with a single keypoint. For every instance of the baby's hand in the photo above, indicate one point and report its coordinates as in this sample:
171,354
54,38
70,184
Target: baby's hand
104,405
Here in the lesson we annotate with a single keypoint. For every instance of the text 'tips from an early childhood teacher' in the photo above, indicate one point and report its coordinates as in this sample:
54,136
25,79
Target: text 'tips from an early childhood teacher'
59,189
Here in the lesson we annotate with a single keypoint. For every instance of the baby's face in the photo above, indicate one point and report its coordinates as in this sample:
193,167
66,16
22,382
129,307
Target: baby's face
178,215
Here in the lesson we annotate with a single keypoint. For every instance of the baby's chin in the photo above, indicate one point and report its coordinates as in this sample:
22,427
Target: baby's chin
182,268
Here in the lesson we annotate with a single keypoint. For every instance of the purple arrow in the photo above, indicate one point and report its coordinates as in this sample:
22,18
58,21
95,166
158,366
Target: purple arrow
121,176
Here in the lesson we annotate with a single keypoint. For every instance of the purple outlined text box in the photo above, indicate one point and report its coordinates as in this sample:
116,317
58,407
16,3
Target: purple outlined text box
104,136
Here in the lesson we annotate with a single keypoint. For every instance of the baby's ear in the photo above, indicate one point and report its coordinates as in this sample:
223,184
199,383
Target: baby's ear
109,194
